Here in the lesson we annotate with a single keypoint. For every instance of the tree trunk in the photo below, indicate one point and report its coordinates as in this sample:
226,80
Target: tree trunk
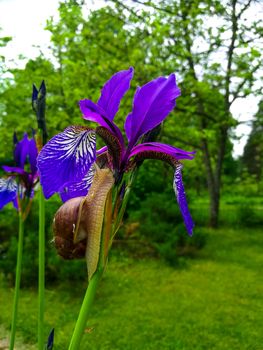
214,206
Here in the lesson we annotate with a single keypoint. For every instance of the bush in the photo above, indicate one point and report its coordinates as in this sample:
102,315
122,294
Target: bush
159,223
249,216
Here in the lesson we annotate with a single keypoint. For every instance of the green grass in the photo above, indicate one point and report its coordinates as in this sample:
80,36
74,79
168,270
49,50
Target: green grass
212,302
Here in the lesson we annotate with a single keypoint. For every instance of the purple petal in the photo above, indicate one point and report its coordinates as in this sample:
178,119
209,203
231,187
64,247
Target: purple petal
152,103
32,151
156,147
91,111
8,191
102,150
77,188
66,158
113,91
14,169
21,151
181,199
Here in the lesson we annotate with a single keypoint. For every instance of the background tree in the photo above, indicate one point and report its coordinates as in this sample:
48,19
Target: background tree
214,46
209,44
253,151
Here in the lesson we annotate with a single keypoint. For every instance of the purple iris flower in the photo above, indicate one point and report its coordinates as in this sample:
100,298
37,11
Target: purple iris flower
66,162
23,176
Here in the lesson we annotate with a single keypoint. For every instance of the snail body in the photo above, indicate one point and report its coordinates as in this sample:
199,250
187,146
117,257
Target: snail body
78,222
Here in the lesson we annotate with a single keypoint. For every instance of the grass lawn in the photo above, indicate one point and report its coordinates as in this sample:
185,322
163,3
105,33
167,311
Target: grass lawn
213,302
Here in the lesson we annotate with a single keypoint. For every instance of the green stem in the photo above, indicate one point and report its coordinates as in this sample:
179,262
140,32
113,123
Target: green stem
18,279
41,270
85,309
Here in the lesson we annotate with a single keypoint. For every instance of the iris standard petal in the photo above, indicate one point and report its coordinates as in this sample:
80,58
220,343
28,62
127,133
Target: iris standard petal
148,150
21,151
181,199
8,191
77,188
113,91
32,151
67,157
152,103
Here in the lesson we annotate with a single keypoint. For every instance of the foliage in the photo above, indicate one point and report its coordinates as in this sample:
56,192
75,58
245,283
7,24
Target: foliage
159,226
56,268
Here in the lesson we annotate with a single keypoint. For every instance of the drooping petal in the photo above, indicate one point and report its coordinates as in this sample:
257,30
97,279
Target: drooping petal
152,103
8,191
102,150
181,199
159,150
66,158
32,151
91,111
21,151
113,91
13,169
77,188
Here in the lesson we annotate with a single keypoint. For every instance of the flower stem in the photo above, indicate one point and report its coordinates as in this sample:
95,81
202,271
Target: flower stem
18,279
41,270
85,309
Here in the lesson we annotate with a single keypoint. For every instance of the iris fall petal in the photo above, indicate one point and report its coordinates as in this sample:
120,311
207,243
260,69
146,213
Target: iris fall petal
66,158
8,191
77,188
181,199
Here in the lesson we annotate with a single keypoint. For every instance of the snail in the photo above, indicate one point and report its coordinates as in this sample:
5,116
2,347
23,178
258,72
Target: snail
78,222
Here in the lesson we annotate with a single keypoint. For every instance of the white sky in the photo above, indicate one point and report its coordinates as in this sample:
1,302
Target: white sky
25,20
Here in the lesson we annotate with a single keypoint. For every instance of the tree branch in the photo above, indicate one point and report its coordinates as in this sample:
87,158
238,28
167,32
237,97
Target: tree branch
236,94
245,7
149,4
230,54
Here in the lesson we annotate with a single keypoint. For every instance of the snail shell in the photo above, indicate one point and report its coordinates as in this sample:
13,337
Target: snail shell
64,227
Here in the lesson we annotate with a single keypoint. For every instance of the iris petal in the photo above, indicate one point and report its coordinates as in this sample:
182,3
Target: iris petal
32,151
14,169
152,103
152,149
8,191
113,91
91,111
181,199
21,151
77,188
104,111
66,158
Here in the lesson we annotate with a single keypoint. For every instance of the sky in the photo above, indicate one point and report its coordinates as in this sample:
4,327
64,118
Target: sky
25,21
